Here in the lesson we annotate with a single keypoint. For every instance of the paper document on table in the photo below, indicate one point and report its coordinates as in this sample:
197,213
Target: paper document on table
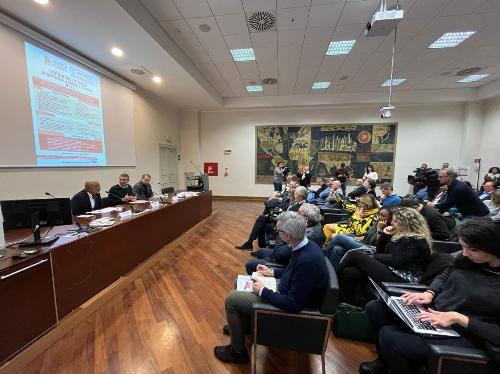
86,216
102,222
105,210
139,202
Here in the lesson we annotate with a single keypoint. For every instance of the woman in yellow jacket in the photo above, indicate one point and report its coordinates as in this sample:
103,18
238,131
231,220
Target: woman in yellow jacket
363,215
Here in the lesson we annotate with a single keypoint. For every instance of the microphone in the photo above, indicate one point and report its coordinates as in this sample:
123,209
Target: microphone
112,194
49,194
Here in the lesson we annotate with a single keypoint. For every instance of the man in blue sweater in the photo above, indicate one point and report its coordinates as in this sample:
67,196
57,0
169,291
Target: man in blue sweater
388,197
302,284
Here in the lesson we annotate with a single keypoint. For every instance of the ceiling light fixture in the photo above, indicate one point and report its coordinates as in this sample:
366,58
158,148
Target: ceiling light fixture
473,78
320,85
395,82
243,54
156,79
254,88
342,47
117,51
41,2
451,39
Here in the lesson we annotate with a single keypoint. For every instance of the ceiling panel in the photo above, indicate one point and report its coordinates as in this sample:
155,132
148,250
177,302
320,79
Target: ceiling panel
319,36
193,8
358,12
426,8
489,6
162,10
220,7
292,3
294,37
292,18
459,7
268,39
325,15
238,41
231,24
254,5
248,70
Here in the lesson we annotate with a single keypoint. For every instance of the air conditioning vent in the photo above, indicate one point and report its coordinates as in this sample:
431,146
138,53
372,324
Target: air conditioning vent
468,71
269,81
137,70
261,21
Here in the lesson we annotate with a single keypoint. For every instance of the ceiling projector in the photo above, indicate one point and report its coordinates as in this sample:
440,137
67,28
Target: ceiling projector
386,111
383,22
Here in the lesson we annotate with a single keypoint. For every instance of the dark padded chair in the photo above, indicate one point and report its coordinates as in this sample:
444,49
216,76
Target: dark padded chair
324,210
167,190
448,359
335,217
445,246
306,331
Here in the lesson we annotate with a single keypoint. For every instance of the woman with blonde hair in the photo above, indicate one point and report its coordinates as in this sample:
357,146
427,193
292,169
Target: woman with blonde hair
403,252
494,206
364,213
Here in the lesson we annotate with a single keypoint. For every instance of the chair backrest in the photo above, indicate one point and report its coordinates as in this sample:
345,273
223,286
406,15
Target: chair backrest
331,298
324,210
167,190
335,217
445,246
439,262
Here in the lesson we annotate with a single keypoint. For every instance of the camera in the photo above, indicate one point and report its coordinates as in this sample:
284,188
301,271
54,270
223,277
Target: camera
274,213
386,111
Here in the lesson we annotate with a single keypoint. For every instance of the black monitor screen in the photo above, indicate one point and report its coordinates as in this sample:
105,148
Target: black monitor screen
17,214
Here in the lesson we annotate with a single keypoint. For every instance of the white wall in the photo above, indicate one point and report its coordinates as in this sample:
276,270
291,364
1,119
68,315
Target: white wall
430,134
154,121
490,142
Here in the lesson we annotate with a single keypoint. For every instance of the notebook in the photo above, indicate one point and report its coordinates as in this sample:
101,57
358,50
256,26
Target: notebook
409,314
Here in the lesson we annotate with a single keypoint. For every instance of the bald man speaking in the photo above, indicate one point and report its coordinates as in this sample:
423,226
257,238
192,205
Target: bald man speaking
87,199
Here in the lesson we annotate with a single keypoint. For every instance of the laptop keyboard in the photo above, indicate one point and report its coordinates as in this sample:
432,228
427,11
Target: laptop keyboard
412,313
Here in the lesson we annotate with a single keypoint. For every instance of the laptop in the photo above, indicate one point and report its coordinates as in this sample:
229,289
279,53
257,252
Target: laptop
409,314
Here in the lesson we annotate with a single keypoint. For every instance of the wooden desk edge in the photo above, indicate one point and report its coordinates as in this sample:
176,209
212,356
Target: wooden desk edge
18,363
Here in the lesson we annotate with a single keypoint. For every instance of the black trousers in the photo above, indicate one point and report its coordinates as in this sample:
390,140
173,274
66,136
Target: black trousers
354,270
261,226
402,350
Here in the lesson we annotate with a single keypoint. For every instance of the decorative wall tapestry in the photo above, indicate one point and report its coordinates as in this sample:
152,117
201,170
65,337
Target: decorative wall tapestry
324,147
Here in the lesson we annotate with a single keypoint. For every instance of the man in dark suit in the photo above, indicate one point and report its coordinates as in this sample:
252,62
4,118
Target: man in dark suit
302,285
87,199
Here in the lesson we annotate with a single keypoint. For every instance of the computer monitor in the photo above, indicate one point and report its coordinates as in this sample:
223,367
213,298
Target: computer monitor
36,213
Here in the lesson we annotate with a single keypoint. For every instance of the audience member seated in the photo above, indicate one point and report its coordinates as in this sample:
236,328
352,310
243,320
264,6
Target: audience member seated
422,194
493,175
282,251
342,174
142,189
370,173
302,284
363,214
435,220
494,206
87,199
488,188
280,200
403,252
459,195
122,192
388,197
335,194
314,195
370,185
342,243
466,297
264,223
359,190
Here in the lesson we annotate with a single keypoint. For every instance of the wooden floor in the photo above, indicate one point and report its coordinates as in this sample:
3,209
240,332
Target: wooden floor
169,319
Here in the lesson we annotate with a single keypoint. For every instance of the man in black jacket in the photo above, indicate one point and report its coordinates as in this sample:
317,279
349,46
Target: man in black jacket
142,189
460,196
358,191
87,199
437,224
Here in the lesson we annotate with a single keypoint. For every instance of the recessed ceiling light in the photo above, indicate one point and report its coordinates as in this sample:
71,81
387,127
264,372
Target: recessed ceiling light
340,47
204,27
156,79
320,85
451,39
473,78
41,2
254,88
395,82
244,54
117,51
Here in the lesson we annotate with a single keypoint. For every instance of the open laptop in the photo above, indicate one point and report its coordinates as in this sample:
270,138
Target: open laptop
409,314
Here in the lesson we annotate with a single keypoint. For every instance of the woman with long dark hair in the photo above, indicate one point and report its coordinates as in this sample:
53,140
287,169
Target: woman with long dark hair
466,297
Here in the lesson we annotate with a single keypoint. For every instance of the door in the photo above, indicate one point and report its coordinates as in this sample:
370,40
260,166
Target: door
168,166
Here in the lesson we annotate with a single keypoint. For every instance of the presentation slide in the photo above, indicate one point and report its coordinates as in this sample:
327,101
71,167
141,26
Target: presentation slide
66,108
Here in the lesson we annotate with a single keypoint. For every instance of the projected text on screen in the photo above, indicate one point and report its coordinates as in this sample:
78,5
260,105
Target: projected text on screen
66,109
